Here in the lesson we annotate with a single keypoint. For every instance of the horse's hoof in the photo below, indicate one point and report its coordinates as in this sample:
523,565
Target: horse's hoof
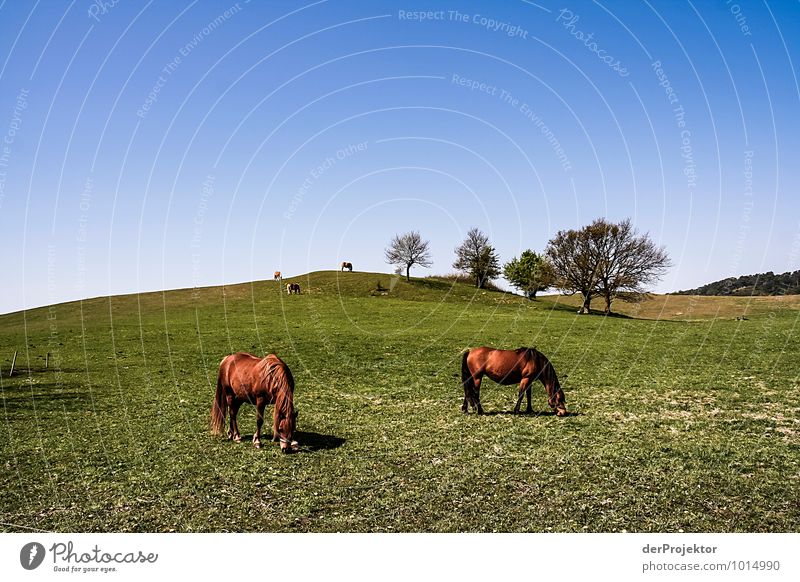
257,445
237,439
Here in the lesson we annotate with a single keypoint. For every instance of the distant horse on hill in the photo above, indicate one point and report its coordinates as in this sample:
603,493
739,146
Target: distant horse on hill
277,276
293,288
521,366
260,381
348,266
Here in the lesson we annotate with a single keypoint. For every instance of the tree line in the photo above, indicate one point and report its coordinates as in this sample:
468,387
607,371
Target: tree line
603,259
761,284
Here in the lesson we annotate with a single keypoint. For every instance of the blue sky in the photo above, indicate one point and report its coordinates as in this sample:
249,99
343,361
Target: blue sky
157,145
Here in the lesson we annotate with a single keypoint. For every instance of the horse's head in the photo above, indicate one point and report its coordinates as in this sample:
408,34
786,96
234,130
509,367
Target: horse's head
556,399
285,428
555,395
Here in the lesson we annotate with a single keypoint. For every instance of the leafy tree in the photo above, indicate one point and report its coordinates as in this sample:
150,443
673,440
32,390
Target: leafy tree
476,257
530,273
408,250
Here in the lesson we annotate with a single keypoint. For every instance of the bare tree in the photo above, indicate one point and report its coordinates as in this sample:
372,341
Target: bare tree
574,266
606,259
626,261
478,258
408,250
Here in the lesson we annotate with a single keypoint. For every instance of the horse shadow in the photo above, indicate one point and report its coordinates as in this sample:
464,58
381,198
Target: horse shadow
533,413
314,441
310,442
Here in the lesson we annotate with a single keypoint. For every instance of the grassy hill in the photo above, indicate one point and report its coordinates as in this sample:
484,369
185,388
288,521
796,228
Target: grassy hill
678,425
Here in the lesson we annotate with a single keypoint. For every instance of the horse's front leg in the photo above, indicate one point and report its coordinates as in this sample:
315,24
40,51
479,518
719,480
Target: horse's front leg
528,395
261,403
524,387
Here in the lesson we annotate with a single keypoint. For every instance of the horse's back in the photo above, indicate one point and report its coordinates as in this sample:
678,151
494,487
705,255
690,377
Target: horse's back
502,366
236,370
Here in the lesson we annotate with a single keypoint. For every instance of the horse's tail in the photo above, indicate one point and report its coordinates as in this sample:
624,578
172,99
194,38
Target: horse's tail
220,407
466,375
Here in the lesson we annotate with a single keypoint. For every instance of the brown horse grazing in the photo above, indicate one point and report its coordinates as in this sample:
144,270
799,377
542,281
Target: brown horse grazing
348,266
293,288
277,276
521,366
260,381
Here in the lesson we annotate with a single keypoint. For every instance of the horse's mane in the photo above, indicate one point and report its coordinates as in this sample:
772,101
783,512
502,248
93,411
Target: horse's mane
275,373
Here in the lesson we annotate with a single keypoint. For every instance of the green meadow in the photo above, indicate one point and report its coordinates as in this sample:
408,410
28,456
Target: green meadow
675,424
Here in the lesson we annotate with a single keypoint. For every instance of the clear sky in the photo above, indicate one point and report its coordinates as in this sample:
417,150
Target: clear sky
165,144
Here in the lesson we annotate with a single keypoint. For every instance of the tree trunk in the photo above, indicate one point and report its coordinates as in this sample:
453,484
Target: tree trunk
408,271
587,300
608,303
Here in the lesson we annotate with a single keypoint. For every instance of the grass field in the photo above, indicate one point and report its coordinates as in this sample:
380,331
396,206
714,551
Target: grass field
677,425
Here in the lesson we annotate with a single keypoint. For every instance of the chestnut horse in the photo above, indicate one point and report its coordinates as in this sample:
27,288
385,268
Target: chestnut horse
348,266
260,381
521,366
276,276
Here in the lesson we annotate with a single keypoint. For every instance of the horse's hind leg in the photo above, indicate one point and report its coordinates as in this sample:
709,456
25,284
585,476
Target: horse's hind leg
233,433
476,393
261,403
467,395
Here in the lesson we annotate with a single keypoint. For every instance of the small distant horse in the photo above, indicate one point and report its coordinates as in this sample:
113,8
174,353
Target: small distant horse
293,288
277,276
521,366
260,381
348,266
